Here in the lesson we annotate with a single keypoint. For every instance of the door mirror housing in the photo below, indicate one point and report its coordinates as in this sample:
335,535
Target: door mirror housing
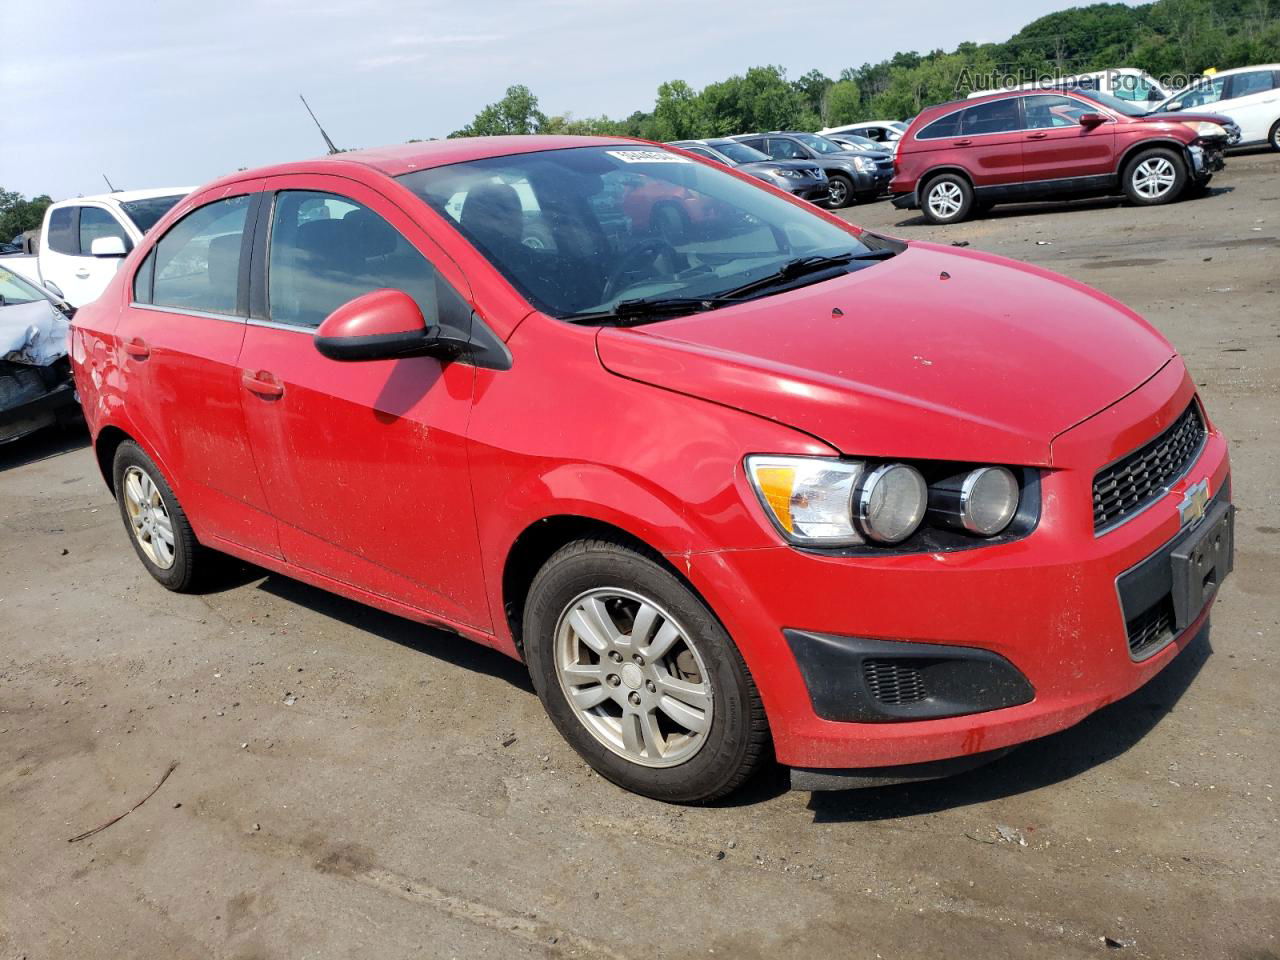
382,325
54,289
107,247
1172,105
1091,120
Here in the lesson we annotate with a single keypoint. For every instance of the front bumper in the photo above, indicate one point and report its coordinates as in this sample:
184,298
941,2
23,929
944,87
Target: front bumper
1047,605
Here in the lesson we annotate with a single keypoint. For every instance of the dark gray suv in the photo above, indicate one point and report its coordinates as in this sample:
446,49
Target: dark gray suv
860,175
803,178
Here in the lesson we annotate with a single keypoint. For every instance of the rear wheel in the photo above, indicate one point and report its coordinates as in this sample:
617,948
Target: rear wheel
155,521
639,677
947,198
1274,136
1155,176
839,191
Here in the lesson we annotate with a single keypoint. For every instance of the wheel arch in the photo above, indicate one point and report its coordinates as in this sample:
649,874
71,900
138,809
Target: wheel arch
105,446
541,539
1168,143
934,172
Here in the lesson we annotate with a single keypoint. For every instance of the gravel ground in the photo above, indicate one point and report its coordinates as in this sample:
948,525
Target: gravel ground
352,784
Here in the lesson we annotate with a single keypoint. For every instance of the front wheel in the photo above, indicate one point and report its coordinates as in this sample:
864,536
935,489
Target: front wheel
947,199
1155,176
639,677
839,191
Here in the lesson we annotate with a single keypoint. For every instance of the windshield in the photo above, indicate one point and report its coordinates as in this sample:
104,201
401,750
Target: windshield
147,213
818,144
738,152
1126,107
577,231
15,290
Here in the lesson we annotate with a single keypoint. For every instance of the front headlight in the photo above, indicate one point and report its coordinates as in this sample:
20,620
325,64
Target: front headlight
828,502
807,498
1203,128
865,164
982,501
788,173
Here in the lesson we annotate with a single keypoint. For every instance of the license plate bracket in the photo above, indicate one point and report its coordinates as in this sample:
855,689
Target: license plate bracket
1201,562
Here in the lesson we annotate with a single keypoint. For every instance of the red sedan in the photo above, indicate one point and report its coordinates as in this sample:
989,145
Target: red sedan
881,510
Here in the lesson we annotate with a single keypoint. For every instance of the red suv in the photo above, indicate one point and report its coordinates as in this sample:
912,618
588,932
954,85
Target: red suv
961,158
776,487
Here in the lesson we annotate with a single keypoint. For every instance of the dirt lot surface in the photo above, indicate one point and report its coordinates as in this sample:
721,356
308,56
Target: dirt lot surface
350,784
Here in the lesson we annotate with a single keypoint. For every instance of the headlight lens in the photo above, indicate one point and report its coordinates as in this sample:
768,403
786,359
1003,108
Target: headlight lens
865,164
1203,128
982,501
807,498
788,173
890,502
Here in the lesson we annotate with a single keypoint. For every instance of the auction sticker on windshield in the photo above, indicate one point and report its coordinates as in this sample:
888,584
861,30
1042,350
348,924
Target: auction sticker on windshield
647,156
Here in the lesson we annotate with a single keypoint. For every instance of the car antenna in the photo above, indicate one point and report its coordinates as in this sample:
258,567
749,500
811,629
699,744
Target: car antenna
111,188
327,141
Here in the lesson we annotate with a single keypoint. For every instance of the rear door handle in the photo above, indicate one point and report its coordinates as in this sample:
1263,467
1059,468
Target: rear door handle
262,383
82,273
1036,136
137,348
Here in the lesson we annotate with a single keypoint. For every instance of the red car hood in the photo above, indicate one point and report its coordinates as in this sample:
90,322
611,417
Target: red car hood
1178,116
936,354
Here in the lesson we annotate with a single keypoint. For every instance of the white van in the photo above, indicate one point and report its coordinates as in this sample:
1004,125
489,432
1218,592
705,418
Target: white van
1248,95
1125,83
84,239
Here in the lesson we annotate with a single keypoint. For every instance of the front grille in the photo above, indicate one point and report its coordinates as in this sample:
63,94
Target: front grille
894,682
1142,477
1151,627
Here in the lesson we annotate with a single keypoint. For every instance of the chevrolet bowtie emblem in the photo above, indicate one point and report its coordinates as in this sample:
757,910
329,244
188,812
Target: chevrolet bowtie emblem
1192,507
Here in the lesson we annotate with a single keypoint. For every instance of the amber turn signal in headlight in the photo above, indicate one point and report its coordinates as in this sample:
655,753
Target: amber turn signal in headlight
809,499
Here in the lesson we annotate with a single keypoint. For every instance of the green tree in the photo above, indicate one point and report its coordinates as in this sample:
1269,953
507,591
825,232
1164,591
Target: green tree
677,114
18,214
813,86
842,104
516,113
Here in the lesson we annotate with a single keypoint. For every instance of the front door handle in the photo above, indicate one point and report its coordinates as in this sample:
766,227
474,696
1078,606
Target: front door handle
262,383
137,348
82,273
1036,136
963,143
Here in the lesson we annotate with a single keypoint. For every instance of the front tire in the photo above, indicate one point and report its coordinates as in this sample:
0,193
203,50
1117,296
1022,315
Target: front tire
639,677
839,191
155,521
1154,177
947,198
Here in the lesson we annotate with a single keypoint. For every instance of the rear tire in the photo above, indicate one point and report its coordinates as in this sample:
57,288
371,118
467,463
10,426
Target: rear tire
155,522
1273,137
946,198
1155,176
670,713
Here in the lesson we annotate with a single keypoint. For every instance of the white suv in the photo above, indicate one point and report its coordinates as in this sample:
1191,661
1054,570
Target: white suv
1248,95
83,239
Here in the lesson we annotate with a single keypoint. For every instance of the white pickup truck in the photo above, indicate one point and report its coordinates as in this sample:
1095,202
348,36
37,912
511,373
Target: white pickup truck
84,239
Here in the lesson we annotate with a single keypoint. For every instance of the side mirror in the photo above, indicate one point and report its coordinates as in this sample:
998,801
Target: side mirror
382,325
1173,105
53,288
1091,120
107,247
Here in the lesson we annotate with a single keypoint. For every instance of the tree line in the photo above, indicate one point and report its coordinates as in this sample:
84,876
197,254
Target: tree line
1165,38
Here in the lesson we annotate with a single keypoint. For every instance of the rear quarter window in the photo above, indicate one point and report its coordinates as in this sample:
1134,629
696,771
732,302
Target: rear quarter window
946,126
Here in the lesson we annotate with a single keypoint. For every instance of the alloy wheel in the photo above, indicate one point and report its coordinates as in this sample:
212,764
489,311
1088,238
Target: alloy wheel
836,193
148,517
1154,177
634,677
945,200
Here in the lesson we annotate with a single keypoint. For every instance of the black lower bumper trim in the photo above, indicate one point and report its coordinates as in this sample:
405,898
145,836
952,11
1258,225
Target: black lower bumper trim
858,680
817,778
35,414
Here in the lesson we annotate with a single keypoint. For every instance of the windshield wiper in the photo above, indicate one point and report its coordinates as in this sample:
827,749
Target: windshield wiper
803,266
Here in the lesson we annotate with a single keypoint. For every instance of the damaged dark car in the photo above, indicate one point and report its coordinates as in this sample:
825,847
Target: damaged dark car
36,390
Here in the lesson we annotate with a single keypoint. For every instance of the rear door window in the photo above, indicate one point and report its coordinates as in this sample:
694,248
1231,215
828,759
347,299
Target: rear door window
63,235
96,223
1255,81
996,116
783,149
197,262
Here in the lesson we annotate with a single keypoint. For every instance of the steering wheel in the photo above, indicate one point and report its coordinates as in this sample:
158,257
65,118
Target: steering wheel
645,251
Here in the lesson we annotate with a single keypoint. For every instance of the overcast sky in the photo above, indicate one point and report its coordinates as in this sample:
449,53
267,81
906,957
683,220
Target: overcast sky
177,92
